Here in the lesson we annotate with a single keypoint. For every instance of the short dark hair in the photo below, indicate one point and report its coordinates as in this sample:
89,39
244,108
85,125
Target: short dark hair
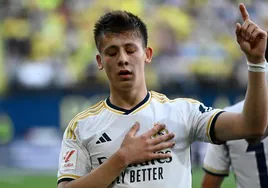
116,22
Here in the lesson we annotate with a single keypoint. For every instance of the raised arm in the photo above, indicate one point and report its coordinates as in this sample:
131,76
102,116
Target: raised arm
252,121
134,149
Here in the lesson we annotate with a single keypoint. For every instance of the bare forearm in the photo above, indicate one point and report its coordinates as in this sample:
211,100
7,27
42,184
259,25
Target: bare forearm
256,98
211,181
102,176
252,122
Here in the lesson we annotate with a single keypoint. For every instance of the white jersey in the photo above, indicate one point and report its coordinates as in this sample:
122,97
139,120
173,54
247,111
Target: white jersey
248,162
97,133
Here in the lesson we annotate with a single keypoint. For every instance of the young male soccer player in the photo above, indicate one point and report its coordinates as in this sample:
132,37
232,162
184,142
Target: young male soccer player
247,160
101,147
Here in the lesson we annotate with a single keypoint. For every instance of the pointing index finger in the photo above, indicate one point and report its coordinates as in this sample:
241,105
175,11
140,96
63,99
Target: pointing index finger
244,12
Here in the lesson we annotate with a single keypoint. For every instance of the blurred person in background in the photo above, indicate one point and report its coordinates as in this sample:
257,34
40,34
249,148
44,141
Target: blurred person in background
102,148
247,159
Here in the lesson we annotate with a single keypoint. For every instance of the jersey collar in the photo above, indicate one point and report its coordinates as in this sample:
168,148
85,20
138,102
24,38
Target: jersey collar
125,111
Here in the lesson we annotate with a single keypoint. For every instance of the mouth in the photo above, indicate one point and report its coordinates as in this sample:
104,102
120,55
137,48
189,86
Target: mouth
125,74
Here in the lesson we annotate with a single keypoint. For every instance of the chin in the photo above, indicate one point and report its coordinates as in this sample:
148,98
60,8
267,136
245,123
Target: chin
126,86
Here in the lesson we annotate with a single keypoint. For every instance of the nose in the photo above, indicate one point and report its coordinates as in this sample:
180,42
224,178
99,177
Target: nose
122,59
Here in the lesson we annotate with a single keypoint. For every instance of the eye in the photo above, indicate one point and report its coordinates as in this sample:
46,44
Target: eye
130,50
111,52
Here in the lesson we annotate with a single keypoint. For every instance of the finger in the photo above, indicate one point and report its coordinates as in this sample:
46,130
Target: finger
258,33
243,11
162,138
250,30
155,129
237,32
159,156
244,28
164,145
134,129
252,38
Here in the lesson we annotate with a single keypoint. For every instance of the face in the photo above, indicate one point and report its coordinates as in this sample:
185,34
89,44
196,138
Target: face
123,57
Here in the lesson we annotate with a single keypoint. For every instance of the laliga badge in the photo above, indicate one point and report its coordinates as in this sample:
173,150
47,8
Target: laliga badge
69,160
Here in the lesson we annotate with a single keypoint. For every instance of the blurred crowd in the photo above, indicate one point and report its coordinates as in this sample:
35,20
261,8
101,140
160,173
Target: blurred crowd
48,44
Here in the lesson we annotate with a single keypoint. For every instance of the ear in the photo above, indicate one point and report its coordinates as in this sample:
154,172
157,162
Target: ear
100,65
149,54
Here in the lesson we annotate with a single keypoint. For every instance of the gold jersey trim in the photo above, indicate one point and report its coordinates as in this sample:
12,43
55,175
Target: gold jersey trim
134,110
209,125
163,98
94,110
214,171
112,109
68,176
144,105
160,97
193,101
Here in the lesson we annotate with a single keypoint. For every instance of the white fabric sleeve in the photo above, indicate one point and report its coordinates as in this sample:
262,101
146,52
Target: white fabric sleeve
217,160
74,160
202,120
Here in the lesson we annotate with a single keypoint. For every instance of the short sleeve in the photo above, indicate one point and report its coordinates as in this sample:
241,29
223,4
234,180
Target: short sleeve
217,160
74,158
201,120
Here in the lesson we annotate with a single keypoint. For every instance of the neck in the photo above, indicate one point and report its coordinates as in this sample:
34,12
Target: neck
127,99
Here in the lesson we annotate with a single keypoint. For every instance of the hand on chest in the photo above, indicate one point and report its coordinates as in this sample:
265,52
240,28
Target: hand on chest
107,140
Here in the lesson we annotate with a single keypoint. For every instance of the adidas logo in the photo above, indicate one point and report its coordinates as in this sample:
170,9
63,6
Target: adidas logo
104,138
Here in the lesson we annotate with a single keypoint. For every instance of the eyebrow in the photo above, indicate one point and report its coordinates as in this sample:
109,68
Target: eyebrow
130,44
116,47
